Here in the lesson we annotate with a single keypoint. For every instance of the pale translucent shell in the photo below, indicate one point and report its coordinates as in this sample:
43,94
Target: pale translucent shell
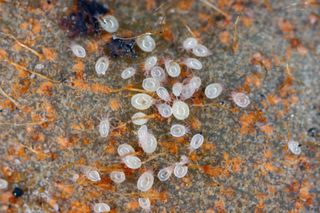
102,65
165,173
150,62
193,63
144,203
132,162
104,128
138,118
177,88
145,181
195,82
142,132
158,73
164,110
149,143
180,171
117,176
187,92
125,149
294,147
101,207
173,68
93,175
3,184
201,51
146,43
213,90
78,50
128,73
178,130
141,101
240,99
163,93
109,23
196,141
180,110
189,43
150,84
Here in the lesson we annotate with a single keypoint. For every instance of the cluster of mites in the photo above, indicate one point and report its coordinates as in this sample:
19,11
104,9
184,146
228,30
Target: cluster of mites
167,104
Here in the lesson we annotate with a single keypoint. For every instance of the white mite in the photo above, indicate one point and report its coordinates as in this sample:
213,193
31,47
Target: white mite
201,51
128,73
173,68
213,90
163,94
125,149
117,176
195,82
3,184
150,62
240,99
193,63
180,110
92,175
164,110
294,147
196,141
180,171
145,181
109,23
147,140
104,127
144,203
150,84
101,207
158,73
132,162
141,101
102,65
189,43
187,91
78,50
177,88
178,130
139,118
146,43
165,173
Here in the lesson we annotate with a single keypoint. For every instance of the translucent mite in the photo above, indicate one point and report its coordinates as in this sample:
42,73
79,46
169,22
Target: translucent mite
201,51
3,184
101,207
109,23
92,175
213,90
139,118
144,203
150,62
189,43
132,162
180,110
294,147
180,170
178,130
173,68
150,84
163,94
165,173
78,50
146,43
147,140
193,63
195,82
240,99
125,149
104,127
164,110
158,73
187,91
196,141
177,89
117,176
145,181
128,73
141,101
102,65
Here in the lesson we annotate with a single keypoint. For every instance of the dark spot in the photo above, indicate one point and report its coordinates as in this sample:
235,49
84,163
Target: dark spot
262,96
84,21
48,1
121,47
17,192
221,102
219,17
312,132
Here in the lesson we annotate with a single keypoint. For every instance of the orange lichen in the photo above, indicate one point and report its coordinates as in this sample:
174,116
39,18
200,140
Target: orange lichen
79,68
114,104
195,123
167,33
267,129
132,205
79,207
49,53
45,88
185,5
224,37
150,4
170,146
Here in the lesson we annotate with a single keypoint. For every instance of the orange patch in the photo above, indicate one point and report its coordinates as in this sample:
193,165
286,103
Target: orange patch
185,5
45,88
49,53
114,104
167,33
224,37
150,4
267,129
133,205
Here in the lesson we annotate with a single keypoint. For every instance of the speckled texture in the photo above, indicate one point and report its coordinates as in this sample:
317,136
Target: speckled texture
239,168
